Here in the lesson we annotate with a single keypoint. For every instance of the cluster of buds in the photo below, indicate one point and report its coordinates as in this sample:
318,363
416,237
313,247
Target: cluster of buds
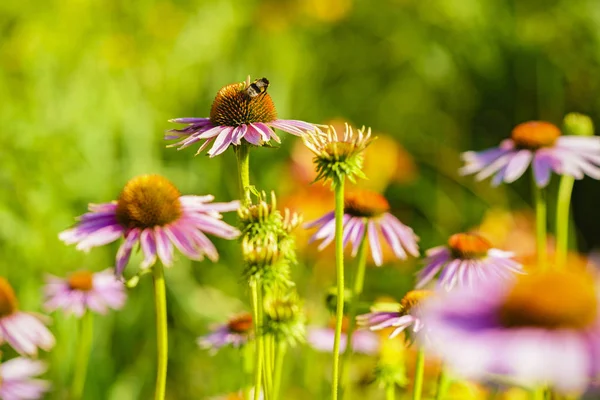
268,246
284,318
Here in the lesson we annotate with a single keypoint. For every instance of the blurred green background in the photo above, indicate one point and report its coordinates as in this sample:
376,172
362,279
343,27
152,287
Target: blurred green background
87,87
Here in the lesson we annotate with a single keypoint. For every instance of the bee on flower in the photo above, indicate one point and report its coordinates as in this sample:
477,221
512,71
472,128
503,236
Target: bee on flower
240,111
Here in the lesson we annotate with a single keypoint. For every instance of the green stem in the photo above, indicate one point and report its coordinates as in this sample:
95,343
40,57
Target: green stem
359,281
419,372
537,394
246,355
443,383
540,225
162,347
268,364
390,392
242,153
84,346
339,266
281,349
562,219
257,315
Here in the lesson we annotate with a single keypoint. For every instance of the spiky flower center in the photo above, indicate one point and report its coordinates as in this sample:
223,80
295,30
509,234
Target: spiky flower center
8,300
148,201
413,299
339,151
364,203
81,280
233,106
553,300
468,246
534,135
241,323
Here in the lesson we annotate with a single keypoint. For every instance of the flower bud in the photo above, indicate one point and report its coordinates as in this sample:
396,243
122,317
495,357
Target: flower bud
284,318
578,124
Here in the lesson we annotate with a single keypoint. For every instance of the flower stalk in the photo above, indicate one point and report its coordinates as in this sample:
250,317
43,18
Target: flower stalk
339,266
390,392
84,346
442,384
162,346
419,372
540,225
258,317
242,153
279,357
563,208
359,281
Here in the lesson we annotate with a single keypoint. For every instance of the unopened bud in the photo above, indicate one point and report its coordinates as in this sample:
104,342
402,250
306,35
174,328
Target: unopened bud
578,124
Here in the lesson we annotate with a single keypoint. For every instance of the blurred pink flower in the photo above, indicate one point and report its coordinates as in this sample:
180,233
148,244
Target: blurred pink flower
84,290
16,379
22,330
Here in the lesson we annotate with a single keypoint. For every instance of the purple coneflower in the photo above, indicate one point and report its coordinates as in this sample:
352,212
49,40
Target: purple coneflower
151,211
367,213
237,113
467,260
543,329
540,144
84,290
16,379
408,314
22,330
321,339
236,332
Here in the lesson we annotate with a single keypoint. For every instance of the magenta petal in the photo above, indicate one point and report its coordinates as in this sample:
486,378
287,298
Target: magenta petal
238,134
148,245
164,248
517,165
542,167
253,136
222,142
263,130
375,244
124,251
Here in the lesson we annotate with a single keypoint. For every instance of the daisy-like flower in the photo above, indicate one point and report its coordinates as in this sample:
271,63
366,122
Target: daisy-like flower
236,332
542,329
239,111
540,144
467,260
338,156
84,290
321,339
22,330
406,314
367,213
151,211
17,379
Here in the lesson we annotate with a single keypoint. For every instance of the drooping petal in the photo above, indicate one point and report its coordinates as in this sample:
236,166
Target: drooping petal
124,251
374,243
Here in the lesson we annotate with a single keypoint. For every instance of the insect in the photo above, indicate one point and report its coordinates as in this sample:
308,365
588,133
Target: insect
257,87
